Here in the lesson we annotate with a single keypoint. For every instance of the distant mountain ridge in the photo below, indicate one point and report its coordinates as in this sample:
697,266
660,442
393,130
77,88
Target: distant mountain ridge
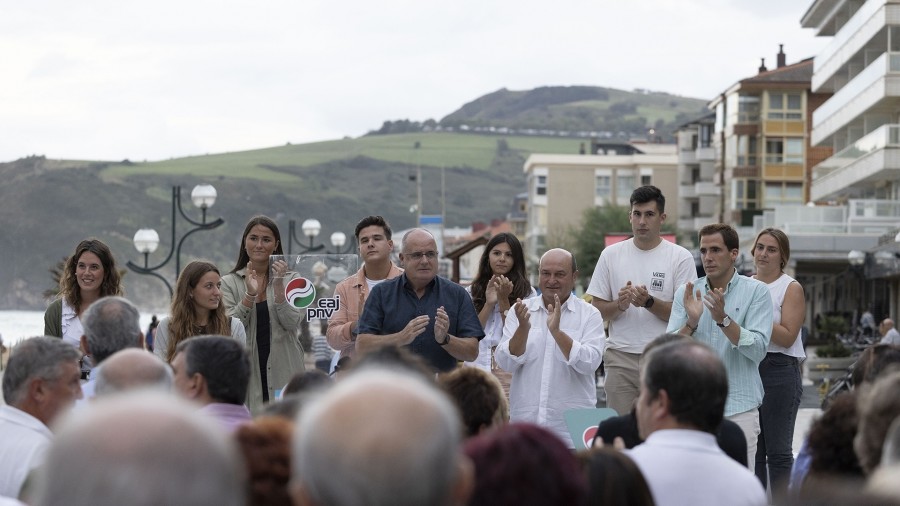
567,111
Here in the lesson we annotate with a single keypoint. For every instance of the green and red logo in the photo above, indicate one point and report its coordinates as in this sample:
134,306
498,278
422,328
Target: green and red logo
300,292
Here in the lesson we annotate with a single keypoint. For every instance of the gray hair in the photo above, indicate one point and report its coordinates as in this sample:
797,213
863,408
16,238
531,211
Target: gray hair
35,358
144,449
378,438
132,369
111,324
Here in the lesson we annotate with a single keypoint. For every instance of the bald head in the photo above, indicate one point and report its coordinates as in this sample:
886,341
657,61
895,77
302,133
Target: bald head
557,274
378,438
146,448
131,369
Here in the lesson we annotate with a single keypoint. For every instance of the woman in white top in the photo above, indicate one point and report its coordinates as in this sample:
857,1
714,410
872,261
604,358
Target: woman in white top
499,282
197,310
780,370
88,274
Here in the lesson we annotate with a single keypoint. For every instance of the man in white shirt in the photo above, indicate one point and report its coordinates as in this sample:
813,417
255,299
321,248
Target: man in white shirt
633,286
683,390
888,332
552,345
41,382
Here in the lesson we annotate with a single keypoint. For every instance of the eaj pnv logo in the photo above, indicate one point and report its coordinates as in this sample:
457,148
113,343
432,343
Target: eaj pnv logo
300,292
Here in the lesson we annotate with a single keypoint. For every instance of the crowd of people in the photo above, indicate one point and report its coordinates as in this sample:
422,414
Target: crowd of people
444,394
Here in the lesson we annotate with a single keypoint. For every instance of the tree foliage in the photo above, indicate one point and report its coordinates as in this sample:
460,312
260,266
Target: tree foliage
588,238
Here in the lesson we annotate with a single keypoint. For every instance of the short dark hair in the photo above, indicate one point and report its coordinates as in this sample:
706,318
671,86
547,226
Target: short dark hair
477,394
694,380
649,193
729,234
222,361
370,221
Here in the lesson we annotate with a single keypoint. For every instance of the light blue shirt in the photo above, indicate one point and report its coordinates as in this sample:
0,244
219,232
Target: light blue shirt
747,303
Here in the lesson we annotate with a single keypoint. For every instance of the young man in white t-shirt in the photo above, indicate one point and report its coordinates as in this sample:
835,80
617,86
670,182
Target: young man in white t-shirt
633,286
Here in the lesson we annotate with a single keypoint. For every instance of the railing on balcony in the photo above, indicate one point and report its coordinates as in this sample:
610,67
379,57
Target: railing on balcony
885,136
859,216
847,32
881,66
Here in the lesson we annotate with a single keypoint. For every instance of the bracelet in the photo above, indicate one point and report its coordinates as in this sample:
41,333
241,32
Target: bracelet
250,295
693,329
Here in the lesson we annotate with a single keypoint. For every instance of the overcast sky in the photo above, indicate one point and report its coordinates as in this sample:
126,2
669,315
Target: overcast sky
153,80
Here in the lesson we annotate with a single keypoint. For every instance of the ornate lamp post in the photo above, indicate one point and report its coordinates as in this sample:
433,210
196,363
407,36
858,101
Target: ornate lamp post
311,229
338,239
146,240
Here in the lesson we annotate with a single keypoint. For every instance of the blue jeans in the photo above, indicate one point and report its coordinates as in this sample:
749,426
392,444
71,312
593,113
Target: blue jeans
783,387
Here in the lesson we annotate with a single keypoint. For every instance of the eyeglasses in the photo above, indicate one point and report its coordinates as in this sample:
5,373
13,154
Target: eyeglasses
431,255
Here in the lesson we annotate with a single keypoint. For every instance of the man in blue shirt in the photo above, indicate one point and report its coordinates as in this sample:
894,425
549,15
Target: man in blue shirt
433,316
732,314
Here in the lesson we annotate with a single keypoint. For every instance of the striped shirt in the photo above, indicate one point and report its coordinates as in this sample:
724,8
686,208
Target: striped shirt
747,303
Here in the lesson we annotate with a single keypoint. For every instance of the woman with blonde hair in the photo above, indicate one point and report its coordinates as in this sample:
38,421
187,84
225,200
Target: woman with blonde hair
88,274
197,309
780,369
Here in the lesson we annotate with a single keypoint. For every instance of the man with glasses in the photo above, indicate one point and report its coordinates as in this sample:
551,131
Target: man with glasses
433,316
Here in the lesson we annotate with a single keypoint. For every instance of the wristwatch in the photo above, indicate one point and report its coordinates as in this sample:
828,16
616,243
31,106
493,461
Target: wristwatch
446,340
649,303
725,322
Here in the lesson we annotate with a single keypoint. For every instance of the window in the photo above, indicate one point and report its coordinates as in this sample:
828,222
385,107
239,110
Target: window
748,109
624,184
603,187
645,180
540,185
745,195
786,106
746,151
788,151
706,132
778,193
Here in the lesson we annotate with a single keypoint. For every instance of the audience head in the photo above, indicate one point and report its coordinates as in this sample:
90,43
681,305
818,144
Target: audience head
110,324
90,267
557,273
683,385
42,378
395,358
613,479
729,234
133,369
479,396
877,408
307,381
145,448
522,463
781,239
380,438
875,361
266,445
212,369
830,441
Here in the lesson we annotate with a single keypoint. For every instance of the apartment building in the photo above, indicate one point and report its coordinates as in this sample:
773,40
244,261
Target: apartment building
860,121
698,193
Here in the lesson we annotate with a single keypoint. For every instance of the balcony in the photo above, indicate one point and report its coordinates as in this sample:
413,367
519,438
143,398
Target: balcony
687,156
852,37
872,158
868,89
707,154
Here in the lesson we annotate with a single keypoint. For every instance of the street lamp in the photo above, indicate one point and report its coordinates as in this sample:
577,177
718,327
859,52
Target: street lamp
311,229
146,240
338,239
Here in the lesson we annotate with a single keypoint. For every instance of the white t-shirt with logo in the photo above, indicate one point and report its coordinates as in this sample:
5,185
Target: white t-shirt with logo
661,269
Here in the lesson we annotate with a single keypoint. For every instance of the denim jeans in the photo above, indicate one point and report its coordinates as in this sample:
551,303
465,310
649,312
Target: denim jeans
783,387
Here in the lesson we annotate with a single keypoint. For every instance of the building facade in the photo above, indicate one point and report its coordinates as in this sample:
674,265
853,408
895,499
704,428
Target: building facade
698,194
